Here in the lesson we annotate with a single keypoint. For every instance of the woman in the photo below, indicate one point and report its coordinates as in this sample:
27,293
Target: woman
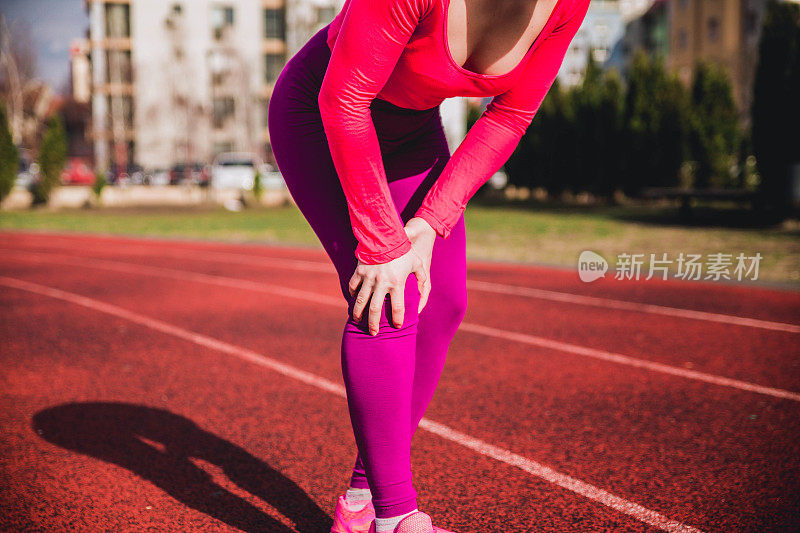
356,132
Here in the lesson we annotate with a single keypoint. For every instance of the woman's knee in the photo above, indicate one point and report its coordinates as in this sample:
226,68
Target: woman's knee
392,311
447,306
459,306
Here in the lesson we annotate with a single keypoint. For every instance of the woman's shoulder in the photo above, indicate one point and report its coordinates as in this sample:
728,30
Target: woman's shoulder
574,8
422,6
417,8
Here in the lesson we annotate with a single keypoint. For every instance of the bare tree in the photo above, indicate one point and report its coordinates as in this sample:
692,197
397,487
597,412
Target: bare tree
17,69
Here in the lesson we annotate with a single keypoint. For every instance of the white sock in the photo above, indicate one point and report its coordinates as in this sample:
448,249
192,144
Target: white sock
357,495
388,524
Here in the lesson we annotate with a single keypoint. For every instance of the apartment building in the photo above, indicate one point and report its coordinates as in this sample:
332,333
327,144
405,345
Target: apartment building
183,80
648,31
602,32
725,32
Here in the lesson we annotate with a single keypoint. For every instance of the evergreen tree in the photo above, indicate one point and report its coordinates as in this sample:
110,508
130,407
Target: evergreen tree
541,157
585,101
561,163
9,157
714,136
776,104
598,105
656,126
52,156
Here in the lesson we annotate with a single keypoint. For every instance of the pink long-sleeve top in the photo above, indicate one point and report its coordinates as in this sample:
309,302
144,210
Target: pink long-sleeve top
397,50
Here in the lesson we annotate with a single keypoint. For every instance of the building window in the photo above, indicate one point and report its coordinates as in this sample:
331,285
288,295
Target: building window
131,152
120,108
683,39
713,29
275,24
221,20
118,20
325,14
120,69
273,64
223,110
600,55
221,147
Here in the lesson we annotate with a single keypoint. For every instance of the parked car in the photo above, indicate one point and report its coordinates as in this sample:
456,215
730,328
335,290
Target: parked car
157,176
271,178
77,172
118,174
196,173
136,172
28,170
235,170
204,177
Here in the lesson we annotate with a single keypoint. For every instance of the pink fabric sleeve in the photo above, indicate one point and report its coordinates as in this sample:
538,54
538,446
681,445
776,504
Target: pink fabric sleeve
371,39
494,136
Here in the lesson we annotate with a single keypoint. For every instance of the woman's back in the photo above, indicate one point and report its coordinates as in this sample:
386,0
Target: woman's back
397,50
434,53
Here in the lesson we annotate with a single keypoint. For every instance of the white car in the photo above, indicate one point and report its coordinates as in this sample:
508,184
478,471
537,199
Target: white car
27,174
271,178
234,170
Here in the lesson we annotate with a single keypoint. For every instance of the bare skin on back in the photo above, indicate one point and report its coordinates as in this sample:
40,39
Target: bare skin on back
492,36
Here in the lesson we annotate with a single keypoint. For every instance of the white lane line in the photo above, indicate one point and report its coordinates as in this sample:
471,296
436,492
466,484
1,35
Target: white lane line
482,447
610,303
627,360
182,275
557,478
202,255
575,349
485,286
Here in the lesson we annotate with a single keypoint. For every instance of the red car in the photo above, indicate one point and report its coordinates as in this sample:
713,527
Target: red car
77,172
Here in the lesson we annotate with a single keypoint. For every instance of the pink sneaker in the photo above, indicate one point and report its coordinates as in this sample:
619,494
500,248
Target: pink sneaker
347,521
418,522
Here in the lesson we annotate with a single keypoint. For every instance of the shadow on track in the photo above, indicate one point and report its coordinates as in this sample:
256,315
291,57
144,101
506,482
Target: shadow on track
157,445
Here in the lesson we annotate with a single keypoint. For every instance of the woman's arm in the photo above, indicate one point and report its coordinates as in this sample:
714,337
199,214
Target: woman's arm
494,136
372,36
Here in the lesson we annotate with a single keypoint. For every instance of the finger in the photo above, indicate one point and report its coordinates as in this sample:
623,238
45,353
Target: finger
397,297
423,297
375,306
354,282
422,278
362,298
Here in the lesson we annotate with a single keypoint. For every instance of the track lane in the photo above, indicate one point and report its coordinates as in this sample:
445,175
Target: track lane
769,358
258,415
461,384
754,301
596,333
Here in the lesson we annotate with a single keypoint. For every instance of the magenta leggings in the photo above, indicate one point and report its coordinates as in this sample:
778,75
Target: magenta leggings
390,378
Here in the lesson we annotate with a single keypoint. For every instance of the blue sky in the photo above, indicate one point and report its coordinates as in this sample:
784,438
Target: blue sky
53,24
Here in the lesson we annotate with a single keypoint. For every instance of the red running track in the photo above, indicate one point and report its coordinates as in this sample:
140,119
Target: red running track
175,385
